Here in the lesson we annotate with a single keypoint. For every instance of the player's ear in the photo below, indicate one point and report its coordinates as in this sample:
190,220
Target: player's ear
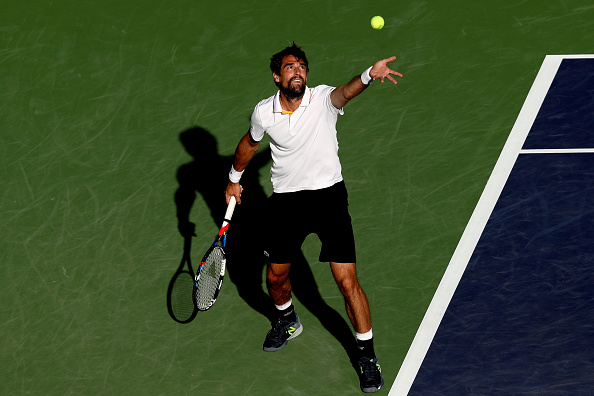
276,77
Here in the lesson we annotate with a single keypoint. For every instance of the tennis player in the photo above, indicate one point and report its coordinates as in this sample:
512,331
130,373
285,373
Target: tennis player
309,194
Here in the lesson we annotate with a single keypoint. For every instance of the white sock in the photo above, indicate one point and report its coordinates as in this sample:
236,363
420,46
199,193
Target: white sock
365,336
284,306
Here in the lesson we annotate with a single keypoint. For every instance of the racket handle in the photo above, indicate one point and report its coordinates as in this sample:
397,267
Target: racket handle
230,209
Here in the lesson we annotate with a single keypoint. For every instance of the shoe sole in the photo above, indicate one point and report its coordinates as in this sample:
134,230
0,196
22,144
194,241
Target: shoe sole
373,388
295,334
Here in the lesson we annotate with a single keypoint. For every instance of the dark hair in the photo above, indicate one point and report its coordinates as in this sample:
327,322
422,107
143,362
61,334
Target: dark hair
276,61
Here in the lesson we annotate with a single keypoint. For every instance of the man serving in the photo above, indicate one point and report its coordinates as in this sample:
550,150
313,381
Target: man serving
309,194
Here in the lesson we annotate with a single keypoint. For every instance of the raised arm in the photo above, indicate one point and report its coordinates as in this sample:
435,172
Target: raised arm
380,70
243,155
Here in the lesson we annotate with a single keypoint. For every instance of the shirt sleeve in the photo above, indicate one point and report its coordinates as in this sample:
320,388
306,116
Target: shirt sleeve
256,128
327,91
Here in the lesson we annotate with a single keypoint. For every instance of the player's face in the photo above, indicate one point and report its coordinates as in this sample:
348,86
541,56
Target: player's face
293,77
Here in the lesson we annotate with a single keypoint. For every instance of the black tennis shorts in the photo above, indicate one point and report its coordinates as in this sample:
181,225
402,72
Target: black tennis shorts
291,217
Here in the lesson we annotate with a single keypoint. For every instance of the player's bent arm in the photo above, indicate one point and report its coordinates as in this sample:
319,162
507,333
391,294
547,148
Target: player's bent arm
246,149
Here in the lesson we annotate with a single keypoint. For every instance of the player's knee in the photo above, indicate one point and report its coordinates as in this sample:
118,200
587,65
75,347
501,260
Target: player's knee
276,279
349,286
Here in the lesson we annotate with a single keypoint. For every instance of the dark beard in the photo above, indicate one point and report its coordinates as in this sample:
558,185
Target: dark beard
291,92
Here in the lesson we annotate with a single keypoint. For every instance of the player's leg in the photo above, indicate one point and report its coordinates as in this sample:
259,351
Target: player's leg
357,308
278,282
279,288
286,324
335,231
281,246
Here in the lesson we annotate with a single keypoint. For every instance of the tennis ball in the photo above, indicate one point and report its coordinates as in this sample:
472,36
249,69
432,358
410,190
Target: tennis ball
377,22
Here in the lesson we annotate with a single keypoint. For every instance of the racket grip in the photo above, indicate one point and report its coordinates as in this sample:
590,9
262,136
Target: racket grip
230,208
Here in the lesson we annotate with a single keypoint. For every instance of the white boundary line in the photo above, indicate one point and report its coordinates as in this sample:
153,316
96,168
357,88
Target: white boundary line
443,295
557,151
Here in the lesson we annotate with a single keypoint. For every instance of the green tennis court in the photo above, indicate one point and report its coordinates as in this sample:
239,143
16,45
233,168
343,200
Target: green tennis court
97,101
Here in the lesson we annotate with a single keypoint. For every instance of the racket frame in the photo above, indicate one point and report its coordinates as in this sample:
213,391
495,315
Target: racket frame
219,243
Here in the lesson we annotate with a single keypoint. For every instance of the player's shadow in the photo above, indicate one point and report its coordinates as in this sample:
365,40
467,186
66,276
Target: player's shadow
305,289
207,175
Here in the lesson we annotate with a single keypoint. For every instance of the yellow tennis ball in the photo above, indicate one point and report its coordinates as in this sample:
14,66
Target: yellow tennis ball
377,22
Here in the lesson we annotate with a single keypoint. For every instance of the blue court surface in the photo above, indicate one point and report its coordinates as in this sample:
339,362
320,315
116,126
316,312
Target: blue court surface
514,313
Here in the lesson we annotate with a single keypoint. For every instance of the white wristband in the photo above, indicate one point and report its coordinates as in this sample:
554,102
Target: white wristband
235,176
366,77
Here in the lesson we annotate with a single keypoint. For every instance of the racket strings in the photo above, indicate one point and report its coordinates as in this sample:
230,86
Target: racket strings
208,281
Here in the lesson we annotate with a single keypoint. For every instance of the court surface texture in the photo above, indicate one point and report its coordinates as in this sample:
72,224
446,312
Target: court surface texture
469,188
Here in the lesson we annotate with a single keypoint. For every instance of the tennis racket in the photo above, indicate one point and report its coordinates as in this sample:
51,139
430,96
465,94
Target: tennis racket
210,273
180,304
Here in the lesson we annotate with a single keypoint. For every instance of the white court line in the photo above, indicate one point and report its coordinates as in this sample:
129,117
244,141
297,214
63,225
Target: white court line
443,295
557,151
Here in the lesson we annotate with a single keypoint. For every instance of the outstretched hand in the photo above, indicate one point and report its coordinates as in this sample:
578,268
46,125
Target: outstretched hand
381,70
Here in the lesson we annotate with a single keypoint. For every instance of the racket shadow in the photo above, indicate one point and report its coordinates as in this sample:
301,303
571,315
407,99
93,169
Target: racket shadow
206,176
180,305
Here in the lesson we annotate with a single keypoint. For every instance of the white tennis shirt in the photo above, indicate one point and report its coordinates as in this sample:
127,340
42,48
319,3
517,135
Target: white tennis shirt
303,144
